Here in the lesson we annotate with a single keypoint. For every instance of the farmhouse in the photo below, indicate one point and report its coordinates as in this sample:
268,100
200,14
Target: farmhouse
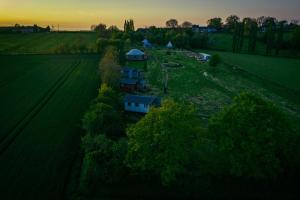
146,43
136,55
170,45
140,104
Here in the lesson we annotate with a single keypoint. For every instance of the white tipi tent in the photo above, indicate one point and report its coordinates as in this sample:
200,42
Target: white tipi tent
170,45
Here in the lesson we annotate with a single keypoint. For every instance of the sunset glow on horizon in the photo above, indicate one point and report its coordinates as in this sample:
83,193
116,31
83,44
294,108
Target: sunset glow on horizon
76,14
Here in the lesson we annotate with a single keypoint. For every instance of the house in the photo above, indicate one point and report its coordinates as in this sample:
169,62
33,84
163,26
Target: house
132,73
136,55
140,104
169,45
128,85
146,44
204,57
132,80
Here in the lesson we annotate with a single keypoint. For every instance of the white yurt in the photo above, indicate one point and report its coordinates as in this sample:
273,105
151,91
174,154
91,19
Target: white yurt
170,45
135,54
146,43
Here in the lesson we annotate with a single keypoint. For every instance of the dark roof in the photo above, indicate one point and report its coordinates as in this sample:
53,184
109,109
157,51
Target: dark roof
141,99
128,81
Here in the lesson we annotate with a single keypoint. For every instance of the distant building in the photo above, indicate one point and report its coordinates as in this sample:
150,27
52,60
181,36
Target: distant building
140,104
136,55
24,29
146,44
203,29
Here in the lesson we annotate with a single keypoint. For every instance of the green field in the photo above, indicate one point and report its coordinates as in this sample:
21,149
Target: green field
213,88
42,101
43,43
283,71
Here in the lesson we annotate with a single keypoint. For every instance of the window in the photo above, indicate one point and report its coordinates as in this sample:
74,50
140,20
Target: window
129,103
136,105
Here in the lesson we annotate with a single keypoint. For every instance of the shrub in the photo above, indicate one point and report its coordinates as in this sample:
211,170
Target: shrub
215,60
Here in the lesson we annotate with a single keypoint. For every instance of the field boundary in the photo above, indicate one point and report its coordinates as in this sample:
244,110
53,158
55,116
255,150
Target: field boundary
28,117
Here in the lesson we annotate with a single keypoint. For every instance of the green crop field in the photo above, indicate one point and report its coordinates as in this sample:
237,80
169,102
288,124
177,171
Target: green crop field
43,42
213,88
42,101
280,70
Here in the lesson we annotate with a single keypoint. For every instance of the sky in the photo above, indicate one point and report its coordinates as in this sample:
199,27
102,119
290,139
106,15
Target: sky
81,14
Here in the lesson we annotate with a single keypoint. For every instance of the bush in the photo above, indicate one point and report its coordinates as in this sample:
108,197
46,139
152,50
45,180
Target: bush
252,137
215,60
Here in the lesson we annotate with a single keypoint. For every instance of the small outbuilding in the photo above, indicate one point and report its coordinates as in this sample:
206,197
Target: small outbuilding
140,104
146,44
170,45
136,55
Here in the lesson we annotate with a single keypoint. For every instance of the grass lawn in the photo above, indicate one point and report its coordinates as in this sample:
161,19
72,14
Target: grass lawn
213,88
43,42
36,162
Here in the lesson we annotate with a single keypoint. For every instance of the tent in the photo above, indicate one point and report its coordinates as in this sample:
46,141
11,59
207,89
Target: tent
170,45
146,43
135,54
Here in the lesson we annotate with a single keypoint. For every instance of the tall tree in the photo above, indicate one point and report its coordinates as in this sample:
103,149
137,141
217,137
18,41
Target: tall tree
231,21
172,23
252,35
129,26
270,35
279,39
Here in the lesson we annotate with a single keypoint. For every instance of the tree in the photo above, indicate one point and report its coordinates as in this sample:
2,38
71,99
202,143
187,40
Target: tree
186,24
102,119
103,161
109,96
215,23
231,21
129,26
215,60
270,36
110,70
163,141
295,39
279,38
172,23
101,29
253,27
252,137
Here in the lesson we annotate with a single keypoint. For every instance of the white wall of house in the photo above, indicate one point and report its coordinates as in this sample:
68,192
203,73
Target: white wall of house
135,107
